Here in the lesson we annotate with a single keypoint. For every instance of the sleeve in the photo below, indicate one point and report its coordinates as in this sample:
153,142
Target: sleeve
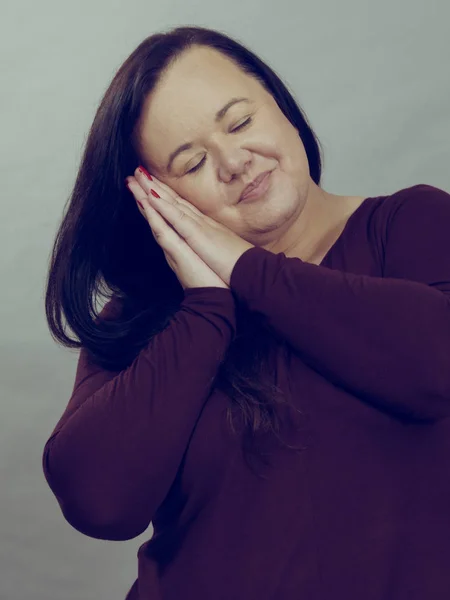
115,452
384,339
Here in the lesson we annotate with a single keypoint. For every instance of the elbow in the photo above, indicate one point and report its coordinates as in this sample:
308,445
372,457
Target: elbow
94,515
91,524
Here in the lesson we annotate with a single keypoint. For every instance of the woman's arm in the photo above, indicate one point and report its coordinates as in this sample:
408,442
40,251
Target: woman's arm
386,340
115,452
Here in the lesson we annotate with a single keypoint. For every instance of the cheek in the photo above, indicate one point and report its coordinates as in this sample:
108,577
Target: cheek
295,154
283,142
201,194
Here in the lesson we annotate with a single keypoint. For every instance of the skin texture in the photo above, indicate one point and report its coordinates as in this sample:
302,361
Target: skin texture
296,216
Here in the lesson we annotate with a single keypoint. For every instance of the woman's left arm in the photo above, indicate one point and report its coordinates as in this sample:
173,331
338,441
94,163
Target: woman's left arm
384,339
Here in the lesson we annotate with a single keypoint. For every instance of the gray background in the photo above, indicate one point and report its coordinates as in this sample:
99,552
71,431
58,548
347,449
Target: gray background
373,78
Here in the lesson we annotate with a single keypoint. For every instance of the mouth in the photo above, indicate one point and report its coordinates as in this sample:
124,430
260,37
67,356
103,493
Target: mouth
257,187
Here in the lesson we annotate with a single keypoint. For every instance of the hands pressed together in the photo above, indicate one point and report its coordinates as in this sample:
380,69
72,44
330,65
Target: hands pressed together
201,251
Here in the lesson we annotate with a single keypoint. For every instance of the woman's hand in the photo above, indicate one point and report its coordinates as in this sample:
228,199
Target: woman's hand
216,245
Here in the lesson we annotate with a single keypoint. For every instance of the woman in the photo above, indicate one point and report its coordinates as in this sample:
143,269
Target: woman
309,329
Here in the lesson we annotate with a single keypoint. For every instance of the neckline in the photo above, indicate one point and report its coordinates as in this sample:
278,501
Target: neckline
346,227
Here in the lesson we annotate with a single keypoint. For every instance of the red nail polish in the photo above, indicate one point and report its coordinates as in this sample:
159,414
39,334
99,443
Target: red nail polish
145,172
140,204
155,194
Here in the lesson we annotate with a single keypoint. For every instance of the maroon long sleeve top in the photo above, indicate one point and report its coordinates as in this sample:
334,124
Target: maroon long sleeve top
363,512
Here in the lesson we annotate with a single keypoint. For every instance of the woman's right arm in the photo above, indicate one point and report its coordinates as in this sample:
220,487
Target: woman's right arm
115,452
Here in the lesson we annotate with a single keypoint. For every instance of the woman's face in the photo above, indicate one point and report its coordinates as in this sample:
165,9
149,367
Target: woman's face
212,174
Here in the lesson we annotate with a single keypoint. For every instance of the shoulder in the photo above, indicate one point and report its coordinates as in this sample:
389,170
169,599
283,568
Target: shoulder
407,212
421,199
422,207
417,240
404,206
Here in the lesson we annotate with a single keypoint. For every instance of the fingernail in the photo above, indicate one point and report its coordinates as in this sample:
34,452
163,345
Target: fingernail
140,204
155,194
145,172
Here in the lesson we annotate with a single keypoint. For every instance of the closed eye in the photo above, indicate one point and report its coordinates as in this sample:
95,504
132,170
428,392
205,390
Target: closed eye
246,122
197,167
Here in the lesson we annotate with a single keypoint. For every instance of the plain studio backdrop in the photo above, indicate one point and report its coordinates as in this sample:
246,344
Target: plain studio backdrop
372,76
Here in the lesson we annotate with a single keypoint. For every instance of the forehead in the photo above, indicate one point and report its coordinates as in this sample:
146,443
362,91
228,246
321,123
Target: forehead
195,86
200,70
200,81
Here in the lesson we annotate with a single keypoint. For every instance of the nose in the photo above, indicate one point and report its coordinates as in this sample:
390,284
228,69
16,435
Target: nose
233,162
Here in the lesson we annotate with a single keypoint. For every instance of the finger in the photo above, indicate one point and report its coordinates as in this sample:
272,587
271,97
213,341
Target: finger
153,214
170,194
173,211
159,187
159,226
181,219
137,192
163,190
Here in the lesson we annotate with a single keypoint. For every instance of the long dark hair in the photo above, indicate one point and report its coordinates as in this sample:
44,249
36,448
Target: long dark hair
103,247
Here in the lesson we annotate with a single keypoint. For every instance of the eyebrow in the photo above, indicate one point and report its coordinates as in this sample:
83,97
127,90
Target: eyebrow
219,116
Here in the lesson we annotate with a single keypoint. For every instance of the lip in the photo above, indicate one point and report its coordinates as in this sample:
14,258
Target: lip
257,187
